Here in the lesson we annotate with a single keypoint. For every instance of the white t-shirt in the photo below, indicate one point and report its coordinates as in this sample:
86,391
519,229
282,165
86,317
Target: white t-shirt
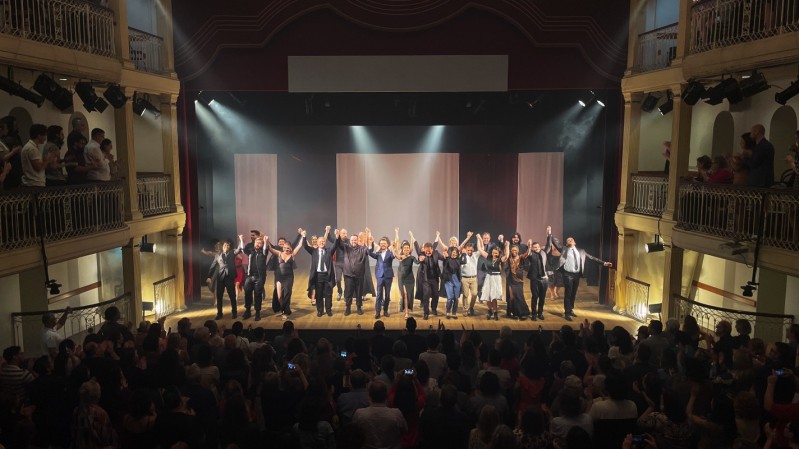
612,409
93,153
50,339
31,177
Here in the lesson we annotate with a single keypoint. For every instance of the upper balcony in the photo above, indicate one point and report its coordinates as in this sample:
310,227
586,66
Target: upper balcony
722,23
656,49
82,38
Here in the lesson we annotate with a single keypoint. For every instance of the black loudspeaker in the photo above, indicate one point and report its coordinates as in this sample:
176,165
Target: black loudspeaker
60,97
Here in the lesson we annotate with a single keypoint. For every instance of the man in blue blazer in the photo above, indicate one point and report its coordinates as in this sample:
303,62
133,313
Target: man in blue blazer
384,272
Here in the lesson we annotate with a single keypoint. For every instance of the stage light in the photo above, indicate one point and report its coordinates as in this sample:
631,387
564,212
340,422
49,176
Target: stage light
16,90
115,96
754,84
100,105
599,102
667,107
693,93
749,289
787,94
587,102
60,97
728,89
655,246
142,105
86,93
54,286
145,246
649,103
205,98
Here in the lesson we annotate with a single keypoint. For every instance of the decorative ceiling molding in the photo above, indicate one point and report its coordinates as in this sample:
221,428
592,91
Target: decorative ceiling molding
196,54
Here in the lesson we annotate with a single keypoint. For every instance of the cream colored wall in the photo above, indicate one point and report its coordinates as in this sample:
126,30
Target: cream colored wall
648,267
9,285
74,274
110,263
655,129
791,295
148,143
50,115
725,275
759,108
154,265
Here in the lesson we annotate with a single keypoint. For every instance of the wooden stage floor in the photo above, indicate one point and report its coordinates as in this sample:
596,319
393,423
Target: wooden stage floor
304,314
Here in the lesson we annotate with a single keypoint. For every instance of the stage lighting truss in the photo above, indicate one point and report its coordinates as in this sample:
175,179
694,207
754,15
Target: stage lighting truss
91,102
694,92
16,90
728,89
753,84
51,90
785,95
667,106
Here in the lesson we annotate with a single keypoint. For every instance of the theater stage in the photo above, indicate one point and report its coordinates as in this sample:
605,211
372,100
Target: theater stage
304,314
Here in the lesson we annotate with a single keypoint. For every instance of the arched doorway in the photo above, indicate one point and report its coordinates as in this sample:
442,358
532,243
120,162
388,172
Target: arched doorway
24,122
781,133
723,135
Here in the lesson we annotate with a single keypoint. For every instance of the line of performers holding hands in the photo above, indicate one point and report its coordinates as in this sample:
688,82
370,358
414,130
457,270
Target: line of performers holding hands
471,270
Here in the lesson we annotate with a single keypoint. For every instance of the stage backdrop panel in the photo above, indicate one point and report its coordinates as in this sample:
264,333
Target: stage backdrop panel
256,194
410,191
540,198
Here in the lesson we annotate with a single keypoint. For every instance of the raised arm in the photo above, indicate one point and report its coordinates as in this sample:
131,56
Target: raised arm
597,260
270,247
440,242
299,244
464,241
506,252
413,240
327,233
307,246
481,248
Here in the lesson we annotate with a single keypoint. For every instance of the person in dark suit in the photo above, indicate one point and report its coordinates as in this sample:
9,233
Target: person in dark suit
384,272
572,265
428,276
223,268
537,274
760,159
354,267
338,260
255,277
323,273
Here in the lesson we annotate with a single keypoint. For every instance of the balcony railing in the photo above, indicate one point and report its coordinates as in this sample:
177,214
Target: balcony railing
164,297
59,213
649,194
734,212
73,24
656,49
146,51
721,23
80,321
637,294
708,316
153,192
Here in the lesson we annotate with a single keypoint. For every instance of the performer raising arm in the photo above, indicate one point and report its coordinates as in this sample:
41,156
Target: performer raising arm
384,272
284,276
572,265
428,276
354,266
492,285
322,276
517,304
469,264
406,279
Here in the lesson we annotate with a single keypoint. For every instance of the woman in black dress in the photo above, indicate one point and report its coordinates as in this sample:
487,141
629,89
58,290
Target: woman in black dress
555,276
515,270
407,281
284,276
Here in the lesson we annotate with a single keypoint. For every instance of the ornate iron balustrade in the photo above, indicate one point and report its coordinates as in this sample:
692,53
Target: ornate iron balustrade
81,321
637,294
721,23
153,193
656,49
17,224
146,51
59,213
649,194
733,212
708,316
164,297
73,24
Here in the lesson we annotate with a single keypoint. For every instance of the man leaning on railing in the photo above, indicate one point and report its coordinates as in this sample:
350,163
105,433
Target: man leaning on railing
51,339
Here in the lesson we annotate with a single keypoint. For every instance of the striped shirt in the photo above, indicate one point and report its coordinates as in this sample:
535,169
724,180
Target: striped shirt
14,379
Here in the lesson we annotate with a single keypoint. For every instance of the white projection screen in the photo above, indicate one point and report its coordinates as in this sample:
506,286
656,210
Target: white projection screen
418,192
256,193
540,200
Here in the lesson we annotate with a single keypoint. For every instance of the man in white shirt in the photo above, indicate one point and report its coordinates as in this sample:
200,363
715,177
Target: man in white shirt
32,162
469,261
572,264
95,159
51,339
